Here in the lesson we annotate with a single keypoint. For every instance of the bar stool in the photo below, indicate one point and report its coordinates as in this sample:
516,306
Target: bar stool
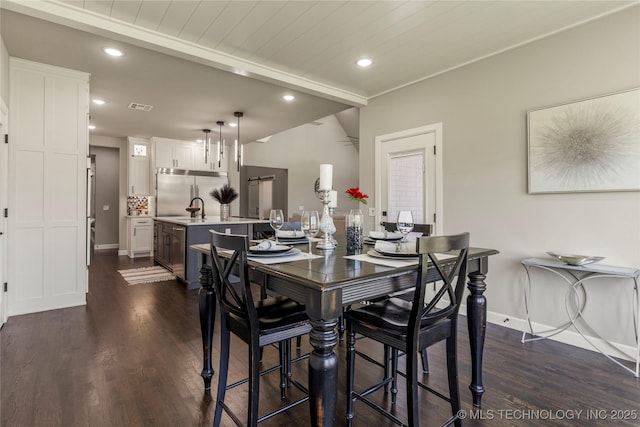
426,230
411,327
274,320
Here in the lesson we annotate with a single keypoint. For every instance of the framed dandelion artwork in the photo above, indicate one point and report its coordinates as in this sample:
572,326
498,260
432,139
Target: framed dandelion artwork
590,145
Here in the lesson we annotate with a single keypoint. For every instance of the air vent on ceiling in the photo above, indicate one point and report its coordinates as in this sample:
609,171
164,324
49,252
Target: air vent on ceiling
138,106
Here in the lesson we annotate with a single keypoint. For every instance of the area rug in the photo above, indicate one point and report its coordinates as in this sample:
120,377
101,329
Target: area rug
136,276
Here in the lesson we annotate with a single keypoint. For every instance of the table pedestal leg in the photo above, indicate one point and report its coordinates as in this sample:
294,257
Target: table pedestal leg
207,316
323,373
477,324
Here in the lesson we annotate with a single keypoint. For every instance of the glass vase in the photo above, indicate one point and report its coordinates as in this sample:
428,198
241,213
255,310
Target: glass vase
355,220
225,212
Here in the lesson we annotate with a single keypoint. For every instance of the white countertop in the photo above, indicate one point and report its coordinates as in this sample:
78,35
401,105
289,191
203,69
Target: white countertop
209,220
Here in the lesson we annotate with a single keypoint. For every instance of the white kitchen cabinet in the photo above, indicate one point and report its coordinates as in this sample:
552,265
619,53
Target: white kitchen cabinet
139,176
140,241
212,161
174,154
47,187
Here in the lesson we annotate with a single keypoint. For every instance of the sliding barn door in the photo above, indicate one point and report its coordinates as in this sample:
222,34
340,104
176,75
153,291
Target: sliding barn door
48,144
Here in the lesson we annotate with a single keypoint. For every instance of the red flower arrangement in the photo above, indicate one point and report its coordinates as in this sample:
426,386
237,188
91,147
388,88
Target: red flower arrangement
355,194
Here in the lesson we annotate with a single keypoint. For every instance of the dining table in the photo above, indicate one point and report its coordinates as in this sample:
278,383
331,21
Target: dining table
326,281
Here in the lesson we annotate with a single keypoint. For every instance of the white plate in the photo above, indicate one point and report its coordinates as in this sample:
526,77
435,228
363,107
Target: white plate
372,241
575,259
386,239
293,241
269,254
253,250
290,234
389,255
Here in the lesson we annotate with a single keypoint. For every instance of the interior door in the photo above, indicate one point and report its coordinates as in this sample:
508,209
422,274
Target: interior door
409,175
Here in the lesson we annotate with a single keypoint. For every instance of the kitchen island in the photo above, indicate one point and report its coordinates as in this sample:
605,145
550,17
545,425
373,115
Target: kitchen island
174,234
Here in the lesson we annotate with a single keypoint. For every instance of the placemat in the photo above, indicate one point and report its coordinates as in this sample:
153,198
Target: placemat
388,262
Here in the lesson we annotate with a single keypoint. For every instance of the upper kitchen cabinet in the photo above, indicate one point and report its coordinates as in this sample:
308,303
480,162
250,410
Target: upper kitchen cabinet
139,160
175,154
211,163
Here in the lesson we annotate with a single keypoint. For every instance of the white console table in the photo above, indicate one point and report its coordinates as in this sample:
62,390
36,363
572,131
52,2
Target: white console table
575,276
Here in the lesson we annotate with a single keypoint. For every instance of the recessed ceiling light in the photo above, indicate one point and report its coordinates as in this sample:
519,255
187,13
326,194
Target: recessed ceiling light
92,127
112,51
98,101
288,97
364,62
232,124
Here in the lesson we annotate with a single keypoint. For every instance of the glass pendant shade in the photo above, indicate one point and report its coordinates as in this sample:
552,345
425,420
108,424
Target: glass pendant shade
238,153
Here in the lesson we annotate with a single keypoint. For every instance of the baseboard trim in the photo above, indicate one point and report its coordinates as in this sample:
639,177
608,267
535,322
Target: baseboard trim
624,351
123,252
107,246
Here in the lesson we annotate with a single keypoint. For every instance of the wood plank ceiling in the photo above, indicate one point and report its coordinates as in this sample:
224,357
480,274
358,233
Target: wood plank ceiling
320,40
191,59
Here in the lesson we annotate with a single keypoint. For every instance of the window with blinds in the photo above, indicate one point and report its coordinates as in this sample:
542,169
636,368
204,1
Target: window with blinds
406,186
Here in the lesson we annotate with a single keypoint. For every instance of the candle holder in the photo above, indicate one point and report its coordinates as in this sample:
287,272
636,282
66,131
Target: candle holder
326,224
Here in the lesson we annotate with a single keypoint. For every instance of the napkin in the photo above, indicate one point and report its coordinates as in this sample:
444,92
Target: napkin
266,245
290,233
395,247
385,234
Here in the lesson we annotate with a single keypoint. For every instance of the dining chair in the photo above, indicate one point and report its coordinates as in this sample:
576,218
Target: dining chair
274,320
413,326
426,230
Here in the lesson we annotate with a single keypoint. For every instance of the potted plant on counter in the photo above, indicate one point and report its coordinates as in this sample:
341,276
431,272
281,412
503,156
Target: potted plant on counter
224,195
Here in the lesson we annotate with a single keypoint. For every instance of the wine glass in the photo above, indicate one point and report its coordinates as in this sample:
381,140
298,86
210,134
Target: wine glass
310,224
276,221
404,224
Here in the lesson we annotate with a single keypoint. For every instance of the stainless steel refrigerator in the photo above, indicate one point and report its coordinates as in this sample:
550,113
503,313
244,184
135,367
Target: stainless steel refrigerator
176,187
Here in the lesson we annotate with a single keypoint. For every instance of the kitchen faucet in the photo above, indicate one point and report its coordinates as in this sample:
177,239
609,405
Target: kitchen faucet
193,213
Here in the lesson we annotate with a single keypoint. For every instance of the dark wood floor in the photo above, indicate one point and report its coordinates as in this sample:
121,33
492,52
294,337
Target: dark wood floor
132,357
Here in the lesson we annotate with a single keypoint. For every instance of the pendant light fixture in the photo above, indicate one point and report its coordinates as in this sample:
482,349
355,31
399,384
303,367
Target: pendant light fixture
238,153
207,144
220,144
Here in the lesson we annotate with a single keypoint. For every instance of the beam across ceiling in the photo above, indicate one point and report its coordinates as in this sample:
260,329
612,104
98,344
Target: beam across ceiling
94,23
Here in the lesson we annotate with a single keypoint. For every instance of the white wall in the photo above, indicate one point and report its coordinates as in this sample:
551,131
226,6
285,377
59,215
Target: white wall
121,144
483,110
301,150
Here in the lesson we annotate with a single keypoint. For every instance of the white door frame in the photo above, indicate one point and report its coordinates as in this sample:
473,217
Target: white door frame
4,191
436,130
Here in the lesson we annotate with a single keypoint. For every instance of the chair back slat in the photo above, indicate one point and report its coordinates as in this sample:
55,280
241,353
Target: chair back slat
452,276
234,296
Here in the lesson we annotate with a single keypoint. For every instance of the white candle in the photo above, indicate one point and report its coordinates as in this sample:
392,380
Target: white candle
326,177
333,199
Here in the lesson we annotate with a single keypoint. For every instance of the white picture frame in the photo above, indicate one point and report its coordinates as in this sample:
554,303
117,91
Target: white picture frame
585,146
